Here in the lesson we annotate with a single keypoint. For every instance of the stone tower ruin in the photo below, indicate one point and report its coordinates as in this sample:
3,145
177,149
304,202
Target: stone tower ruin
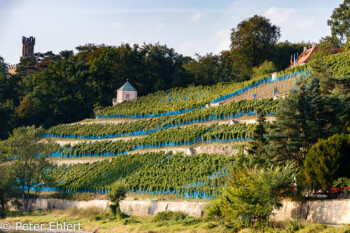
28,46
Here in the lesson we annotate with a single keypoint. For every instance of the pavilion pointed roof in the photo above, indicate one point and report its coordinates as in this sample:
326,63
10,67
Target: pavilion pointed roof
127,87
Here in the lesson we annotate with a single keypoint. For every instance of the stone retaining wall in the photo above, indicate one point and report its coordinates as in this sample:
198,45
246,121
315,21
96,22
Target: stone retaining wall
149,208
325,211
48,204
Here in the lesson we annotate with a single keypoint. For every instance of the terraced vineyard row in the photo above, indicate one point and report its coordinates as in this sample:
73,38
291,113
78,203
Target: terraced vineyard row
163,138
181,100
147,126
151,173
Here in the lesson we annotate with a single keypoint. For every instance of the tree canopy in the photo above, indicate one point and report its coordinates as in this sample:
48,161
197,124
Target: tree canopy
339,21
253,41
327,161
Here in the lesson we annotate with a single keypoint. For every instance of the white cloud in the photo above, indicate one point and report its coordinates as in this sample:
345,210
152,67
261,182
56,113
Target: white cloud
196,16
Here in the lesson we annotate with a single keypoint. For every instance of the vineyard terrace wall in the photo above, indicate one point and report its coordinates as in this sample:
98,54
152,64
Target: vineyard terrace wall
325,211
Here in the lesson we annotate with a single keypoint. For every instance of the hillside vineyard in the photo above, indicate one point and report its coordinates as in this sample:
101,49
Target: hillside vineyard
130,142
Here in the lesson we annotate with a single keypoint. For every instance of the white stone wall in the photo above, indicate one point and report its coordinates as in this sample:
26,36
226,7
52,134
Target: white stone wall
149,208
325,211
47,204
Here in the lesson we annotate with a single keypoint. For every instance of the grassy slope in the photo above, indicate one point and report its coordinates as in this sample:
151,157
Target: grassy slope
92,219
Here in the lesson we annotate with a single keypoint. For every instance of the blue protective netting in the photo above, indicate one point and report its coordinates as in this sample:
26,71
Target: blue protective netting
145,132
236,93
165,144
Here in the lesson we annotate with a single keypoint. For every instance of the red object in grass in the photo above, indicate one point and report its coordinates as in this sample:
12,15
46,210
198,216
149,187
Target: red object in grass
335,190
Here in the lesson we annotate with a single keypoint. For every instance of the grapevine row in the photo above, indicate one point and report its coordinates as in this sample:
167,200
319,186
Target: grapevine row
147,126
181,100
151,173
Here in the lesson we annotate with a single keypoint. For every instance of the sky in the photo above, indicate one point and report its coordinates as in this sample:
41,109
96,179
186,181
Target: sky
189,26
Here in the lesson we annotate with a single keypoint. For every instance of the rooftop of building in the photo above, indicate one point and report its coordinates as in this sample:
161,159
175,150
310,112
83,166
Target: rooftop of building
127,87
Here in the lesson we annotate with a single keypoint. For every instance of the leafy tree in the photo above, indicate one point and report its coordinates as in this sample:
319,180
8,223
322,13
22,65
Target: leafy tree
118,194
226,64
252,42
65,54
339,21
252,194
283,51
327,161
29,159
266,68
7,184
25,112
9,97
6,118
204,70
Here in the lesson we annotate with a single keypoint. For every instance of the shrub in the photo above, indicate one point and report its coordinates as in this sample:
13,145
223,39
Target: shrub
115,196
327,161
169,216
252,195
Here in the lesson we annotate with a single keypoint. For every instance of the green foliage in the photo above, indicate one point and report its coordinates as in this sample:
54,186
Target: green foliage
173,100
147,172
100,129
338,64
327,161
303,117
169,216
288,132
293,225
339,20
29,159
256,147
266,68
325,47
7,185
265,106
252,42
342,182
171,135
283,51
115,196
65,88
252,194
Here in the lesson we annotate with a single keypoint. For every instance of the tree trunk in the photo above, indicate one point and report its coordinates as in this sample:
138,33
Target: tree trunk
2,210
23,199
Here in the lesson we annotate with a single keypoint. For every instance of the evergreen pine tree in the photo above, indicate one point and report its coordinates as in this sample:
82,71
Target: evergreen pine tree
315,112
256,146
288,133
321,71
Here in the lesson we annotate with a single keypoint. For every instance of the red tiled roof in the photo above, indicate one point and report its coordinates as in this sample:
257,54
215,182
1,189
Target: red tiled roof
305,56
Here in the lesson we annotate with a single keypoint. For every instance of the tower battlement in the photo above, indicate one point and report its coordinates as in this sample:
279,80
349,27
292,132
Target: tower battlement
28,46
12,69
